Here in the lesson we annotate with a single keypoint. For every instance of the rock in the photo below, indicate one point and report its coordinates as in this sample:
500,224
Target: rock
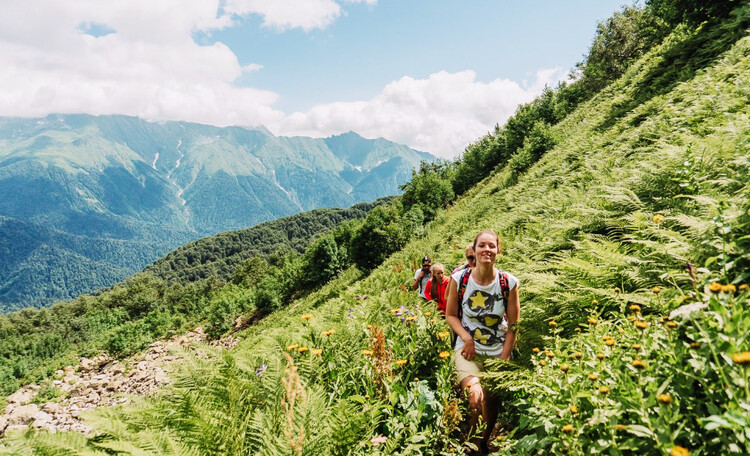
23,414
683,312
21,396
52,408
3,424
41,417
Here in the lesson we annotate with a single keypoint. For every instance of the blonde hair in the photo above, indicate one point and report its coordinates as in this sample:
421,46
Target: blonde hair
434,287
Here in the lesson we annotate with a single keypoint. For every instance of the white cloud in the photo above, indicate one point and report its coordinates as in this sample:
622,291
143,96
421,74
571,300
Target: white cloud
441,114
288,14
149,66
146,63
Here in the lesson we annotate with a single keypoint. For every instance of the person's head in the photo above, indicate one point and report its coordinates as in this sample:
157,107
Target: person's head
486,246
426,263
469,254
438,272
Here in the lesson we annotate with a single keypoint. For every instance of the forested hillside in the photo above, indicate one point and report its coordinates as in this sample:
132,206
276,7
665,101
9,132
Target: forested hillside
623,204
86,201
219,256
182,289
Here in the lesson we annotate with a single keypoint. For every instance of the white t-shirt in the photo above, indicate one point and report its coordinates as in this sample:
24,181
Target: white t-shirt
423,283
484,314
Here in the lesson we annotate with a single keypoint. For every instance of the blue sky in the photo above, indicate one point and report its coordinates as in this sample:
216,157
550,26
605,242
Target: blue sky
433,74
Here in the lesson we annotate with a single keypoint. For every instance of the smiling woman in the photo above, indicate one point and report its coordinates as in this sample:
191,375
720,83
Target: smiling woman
482,309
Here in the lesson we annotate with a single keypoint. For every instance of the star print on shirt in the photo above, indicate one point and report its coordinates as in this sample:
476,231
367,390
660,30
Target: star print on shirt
478,301
481,338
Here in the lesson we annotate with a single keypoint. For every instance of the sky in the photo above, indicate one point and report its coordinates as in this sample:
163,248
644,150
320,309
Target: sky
435,75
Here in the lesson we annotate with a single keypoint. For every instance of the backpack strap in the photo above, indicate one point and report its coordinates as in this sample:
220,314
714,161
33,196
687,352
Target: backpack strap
461,289
504,287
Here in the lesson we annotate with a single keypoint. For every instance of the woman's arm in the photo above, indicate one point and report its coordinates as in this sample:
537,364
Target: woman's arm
451,316
513,312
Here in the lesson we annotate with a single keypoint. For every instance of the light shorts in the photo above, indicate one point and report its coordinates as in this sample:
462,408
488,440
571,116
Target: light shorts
466,368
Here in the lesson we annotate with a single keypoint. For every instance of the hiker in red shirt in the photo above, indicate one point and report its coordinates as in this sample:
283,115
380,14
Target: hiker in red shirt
436,286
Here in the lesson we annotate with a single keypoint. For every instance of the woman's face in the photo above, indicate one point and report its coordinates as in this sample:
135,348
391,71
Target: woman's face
471,257
438,273
486,249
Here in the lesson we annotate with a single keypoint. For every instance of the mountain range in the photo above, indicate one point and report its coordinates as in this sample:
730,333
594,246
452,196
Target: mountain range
87,200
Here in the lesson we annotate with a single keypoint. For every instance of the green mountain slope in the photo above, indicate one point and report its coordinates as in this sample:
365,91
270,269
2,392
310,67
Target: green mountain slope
155,186
632,214
219,256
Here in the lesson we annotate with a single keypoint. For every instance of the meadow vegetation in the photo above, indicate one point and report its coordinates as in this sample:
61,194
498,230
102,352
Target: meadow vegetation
624,209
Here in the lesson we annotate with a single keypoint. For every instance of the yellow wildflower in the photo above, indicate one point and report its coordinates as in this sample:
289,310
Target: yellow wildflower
635,308
741,358
443,334
549,354
553,323
679,451
715,287
603,390
444,354
671,324
303,349
317,351
744,287
639,364
636,346
592,321
568,428
631,317
578,330
641,324
427,314
367,352
331,331
594,302
655,290
695,344
401,362
306,316
609,342
411,318
542,363
658,218
535,350
619,427
573,409
565,367
593,377
292,347
664,398
731,288
578,355
617,290
600,356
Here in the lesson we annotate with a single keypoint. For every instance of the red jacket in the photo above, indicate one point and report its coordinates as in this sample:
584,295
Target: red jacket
440,298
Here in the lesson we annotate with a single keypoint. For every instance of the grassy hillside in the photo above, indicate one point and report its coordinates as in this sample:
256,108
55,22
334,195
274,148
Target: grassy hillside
634,213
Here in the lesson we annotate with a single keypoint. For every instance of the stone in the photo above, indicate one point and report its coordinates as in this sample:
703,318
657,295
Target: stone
683,312
21,396
41,417
23,414
51,408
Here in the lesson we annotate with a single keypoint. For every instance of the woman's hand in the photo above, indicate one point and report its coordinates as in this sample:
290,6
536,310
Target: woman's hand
468,351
